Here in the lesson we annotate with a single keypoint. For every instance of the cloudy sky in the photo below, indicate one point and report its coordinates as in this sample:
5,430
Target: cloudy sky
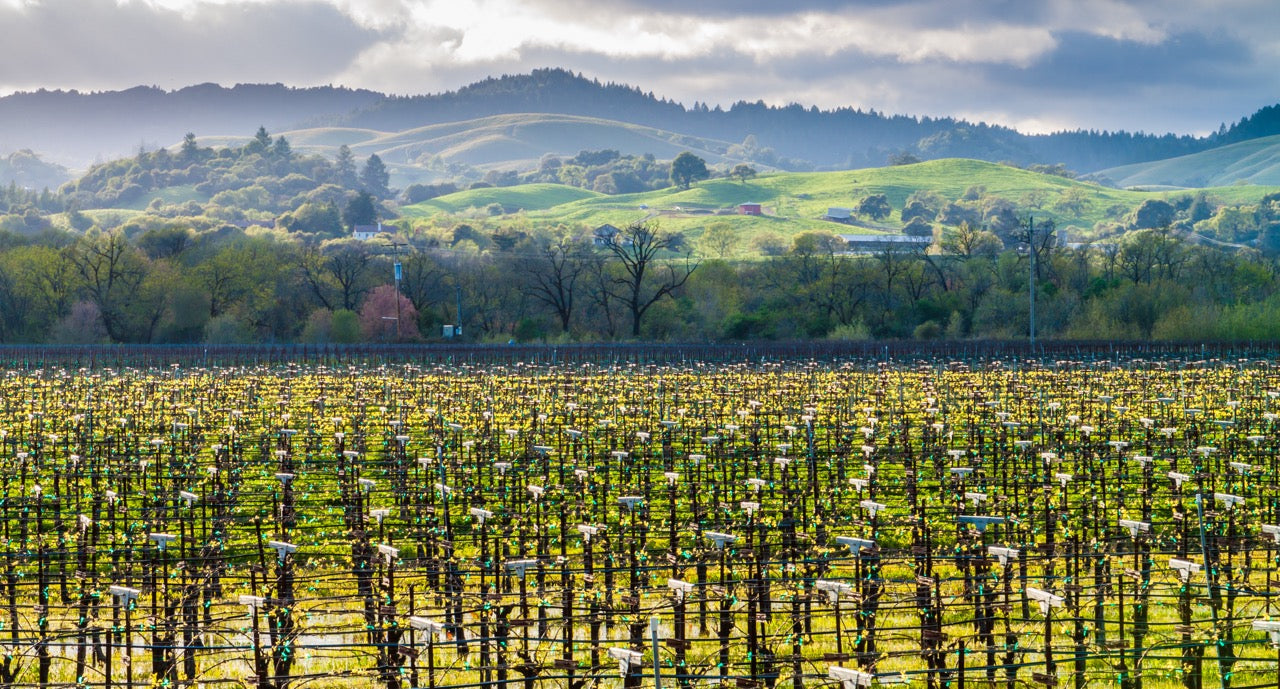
1152,65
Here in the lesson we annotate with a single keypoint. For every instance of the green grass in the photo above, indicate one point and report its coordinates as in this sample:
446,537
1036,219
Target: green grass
169,196
499,140
550,205
102,217
528,197
330,138
512,141
1253,162
111,217
796,202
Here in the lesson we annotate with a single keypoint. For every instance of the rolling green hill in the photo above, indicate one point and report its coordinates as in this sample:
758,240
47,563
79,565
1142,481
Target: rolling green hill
505,142
527,197
502,140
1256,161
796,202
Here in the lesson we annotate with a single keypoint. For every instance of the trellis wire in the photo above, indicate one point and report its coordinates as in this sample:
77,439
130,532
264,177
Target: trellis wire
324,524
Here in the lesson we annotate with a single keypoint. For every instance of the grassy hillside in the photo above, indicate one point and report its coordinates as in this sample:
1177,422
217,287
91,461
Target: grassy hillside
500,142
104,217
527,197
795,202
326,140
169,195
1251,162
808,195
493,141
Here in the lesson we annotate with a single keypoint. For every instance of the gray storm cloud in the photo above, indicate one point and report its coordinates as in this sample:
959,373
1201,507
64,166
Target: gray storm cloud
1176,65
101,44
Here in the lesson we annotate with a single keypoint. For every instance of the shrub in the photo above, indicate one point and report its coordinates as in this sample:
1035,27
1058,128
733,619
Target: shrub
345,327
83,325
227,329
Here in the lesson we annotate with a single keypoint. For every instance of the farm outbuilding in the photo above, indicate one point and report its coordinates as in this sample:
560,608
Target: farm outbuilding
837,214
604,235
750,209
366,232
872,243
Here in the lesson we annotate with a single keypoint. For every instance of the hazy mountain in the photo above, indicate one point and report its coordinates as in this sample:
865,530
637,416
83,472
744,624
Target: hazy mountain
468,149
73,128
27,170
796,136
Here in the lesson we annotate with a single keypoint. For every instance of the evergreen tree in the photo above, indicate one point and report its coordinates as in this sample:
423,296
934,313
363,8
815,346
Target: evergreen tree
261,141
345,168
362,209
375,178
281,149
190,149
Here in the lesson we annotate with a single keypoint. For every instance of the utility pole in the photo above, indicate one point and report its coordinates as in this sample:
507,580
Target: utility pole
399,274
1031,281
457,329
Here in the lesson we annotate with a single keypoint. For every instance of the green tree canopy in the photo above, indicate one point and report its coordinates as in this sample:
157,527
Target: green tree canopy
1153,213
362,209
875,206
281,148
688,168
742,172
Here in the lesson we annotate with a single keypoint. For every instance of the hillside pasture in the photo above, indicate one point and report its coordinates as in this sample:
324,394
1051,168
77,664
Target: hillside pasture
527,197
796,202
507,142
805,197
1253,162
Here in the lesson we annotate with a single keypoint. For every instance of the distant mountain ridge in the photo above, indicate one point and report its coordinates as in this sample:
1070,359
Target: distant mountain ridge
843,138
75,128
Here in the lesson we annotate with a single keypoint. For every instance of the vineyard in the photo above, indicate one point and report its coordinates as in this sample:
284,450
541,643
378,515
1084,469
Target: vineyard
850,523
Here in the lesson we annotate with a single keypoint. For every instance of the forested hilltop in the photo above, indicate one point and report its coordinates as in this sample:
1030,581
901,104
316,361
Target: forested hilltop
796,136
74,128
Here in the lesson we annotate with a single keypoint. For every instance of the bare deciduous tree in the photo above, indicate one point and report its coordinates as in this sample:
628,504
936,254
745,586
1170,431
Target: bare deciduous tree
553,267
645,278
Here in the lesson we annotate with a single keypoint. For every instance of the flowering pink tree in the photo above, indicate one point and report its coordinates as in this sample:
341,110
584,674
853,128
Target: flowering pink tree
379,316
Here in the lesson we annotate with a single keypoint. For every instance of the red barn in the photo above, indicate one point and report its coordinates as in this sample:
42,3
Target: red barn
750,209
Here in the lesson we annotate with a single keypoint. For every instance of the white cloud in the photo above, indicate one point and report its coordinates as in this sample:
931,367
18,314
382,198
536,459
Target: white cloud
930,57
101,44
495,29
1109,18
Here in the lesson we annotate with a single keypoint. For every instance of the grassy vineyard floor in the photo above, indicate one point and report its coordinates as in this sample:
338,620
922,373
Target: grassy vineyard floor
402,526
